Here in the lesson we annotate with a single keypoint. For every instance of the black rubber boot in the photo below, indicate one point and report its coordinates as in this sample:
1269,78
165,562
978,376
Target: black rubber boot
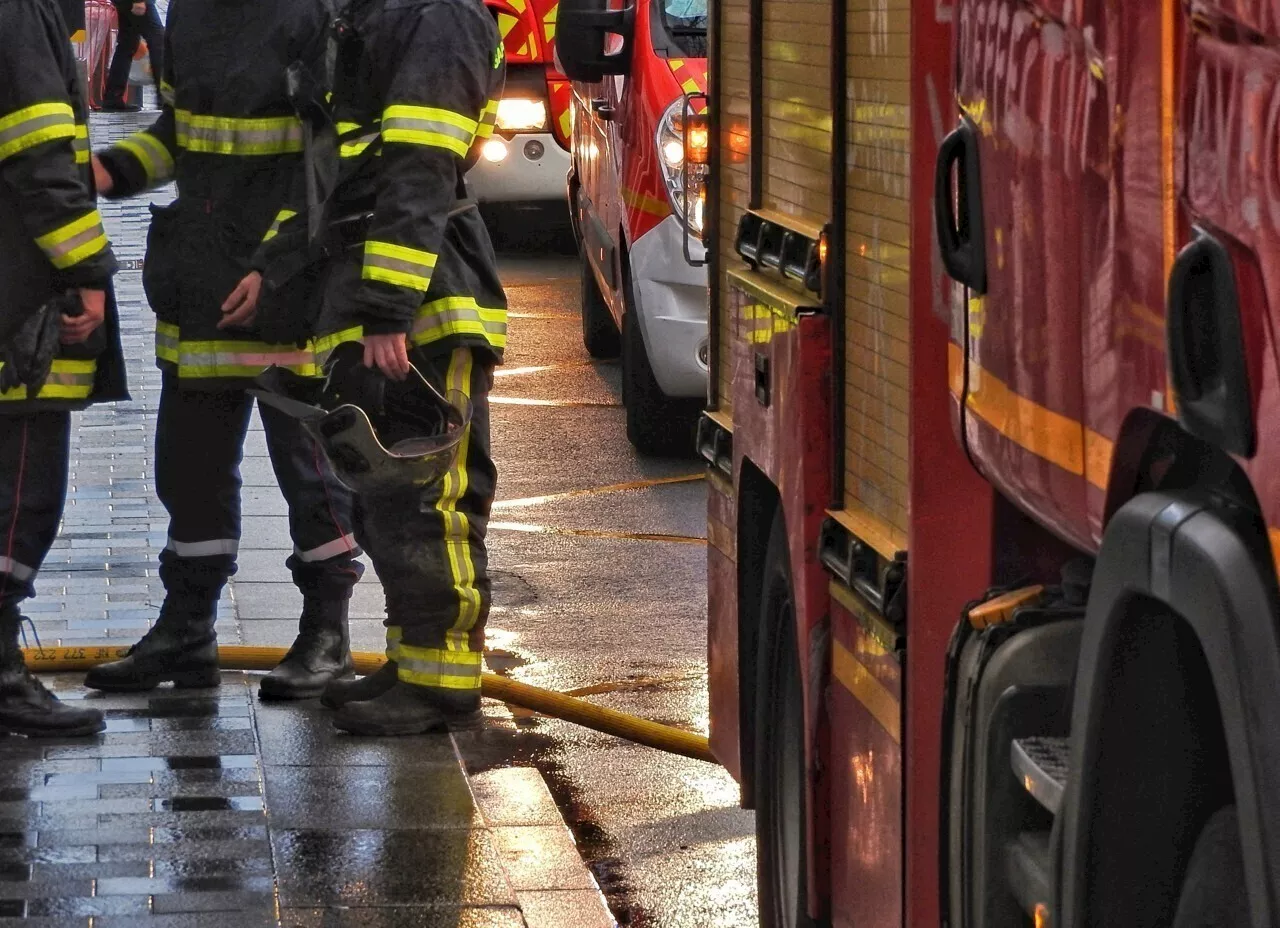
320,654
181,648
340,692
405,709
26,707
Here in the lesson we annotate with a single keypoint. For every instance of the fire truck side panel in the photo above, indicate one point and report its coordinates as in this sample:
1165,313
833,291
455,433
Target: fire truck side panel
723,653
951,532
865,777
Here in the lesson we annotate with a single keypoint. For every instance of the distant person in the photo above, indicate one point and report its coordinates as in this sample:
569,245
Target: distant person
136,21
59,342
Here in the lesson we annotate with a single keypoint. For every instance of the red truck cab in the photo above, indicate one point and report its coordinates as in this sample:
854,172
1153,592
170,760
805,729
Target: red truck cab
637,195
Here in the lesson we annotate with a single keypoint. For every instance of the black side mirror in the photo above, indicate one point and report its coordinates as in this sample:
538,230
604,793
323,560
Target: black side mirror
581,31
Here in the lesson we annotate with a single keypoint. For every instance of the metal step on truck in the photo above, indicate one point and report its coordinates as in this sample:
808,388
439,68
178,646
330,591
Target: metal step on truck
994,457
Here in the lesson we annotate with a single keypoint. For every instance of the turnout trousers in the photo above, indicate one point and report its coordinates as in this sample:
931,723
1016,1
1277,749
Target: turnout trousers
34,449
131,29
199,445
428,547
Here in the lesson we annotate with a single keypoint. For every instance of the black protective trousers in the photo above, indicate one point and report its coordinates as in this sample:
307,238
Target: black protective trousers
34,449
131,29
199,445
428,547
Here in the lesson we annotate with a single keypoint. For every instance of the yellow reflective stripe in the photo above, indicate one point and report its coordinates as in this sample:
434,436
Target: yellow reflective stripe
429,126
457,527
81,143
204,359
79,239
355,147
166,92
397,264
458,315
67,380
394,634
324,345
488,119
229,135
436,667
281,218
34,125
151,154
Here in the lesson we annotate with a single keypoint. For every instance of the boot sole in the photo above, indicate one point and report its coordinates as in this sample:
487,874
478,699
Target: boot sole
469,722
187,680
271,692
78,731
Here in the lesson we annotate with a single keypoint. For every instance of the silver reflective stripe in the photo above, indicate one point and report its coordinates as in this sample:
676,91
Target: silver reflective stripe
34,124
454,315
435,126
338,546
204,548
437,668
16,569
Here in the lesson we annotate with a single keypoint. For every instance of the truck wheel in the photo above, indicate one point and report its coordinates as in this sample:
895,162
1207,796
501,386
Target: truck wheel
656,423
599,329
781,805
1214,894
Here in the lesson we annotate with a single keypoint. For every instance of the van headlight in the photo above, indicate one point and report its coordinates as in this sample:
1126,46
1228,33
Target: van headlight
520,114
682,158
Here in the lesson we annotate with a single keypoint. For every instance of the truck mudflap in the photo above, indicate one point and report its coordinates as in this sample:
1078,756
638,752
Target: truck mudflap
1181,626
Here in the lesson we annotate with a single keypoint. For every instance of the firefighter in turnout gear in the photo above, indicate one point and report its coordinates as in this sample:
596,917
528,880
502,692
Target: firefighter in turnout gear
416,281
59,339
230,138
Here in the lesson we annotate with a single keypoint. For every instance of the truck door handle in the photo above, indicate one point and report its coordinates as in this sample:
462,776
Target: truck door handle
957,210
601,107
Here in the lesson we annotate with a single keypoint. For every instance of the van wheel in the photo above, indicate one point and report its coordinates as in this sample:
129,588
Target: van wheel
599,329
781,812
656,423
1214,894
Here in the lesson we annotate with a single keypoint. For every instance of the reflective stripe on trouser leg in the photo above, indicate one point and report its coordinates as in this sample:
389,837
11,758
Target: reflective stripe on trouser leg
320,510
429,548
34,453
199,442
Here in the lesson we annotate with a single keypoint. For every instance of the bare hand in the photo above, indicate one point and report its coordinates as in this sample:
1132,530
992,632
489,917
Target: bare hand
77,329
388,353
102,178
241,307
139,9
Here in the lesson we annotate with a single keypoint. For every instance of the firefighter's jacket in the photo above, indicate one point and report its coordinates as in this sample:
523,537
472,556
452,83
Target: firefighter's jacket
51,234
230,138
421,82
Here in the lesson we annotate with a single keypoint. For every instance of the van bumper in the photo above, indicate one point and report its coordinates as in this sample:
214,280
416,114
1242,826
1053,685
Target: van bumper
533,170
671,307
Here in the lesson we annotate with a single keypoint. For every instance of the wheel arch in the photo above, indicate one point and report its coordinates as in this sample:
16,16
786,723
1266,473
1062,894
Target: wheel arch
758,504
1180,659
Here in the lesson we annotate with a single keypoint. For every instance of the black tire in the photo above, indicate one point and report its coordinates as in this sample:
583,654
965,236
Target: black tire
1214,893
656,423
781,804
599,328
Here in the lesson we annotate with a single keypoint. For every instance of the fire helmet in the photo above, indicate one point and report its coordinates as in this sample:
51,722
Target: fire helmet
381,436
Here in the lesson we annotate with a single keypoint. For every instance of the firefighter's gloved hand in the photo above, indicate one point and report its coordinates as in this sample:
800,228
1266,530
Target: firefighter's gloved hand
28,356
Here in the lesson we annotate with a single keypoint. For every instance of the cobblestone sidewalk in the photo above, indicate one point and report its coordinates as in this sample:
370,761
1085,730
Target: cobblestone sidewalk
206,808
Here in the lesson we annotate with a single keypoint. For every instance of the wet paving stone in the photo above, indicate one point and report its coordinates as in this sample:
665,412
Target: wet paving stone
404,917
369,797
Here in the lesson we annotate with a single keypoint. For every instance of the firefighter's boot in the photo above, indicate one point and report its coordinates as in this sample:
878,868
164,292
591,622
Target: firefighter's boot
320,654
340,692
405,709
181,648
26,707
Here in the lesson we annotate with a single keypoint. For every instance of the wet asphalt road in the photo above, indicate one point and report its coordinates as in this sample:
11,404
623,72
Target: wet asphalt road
583,603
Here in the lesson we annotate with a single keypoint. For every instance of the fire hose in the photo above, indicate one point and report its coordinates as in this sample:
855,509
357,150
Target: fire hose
546,702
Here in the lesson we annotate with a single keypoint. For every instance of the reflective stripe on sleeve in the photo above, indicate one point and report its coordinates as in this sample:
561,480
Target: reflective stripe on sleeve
151,154
458,315
213,548
451,670
16,569
81,144
79,239
281,218
344,545
67,380
228,135
166,92
488,119
429,126
398,265
355,147
211,359
34,125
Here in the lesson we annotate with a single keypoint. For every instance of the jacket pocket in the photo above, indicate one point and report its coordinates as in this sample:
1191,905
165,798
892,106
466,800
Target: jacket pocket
161,271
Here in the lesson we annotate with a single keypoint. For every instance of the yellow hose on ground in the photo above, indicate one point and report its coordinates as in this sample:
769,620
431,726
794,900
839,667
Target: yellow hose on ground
233,657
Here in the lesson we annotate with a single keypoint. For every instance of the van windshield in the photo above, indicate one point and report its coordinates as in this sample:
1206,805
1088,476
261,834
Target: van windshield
686,23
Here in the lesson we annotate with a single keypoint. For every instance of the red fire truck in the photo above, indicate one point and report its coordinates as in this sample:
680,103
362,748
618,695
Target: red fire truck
994,629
